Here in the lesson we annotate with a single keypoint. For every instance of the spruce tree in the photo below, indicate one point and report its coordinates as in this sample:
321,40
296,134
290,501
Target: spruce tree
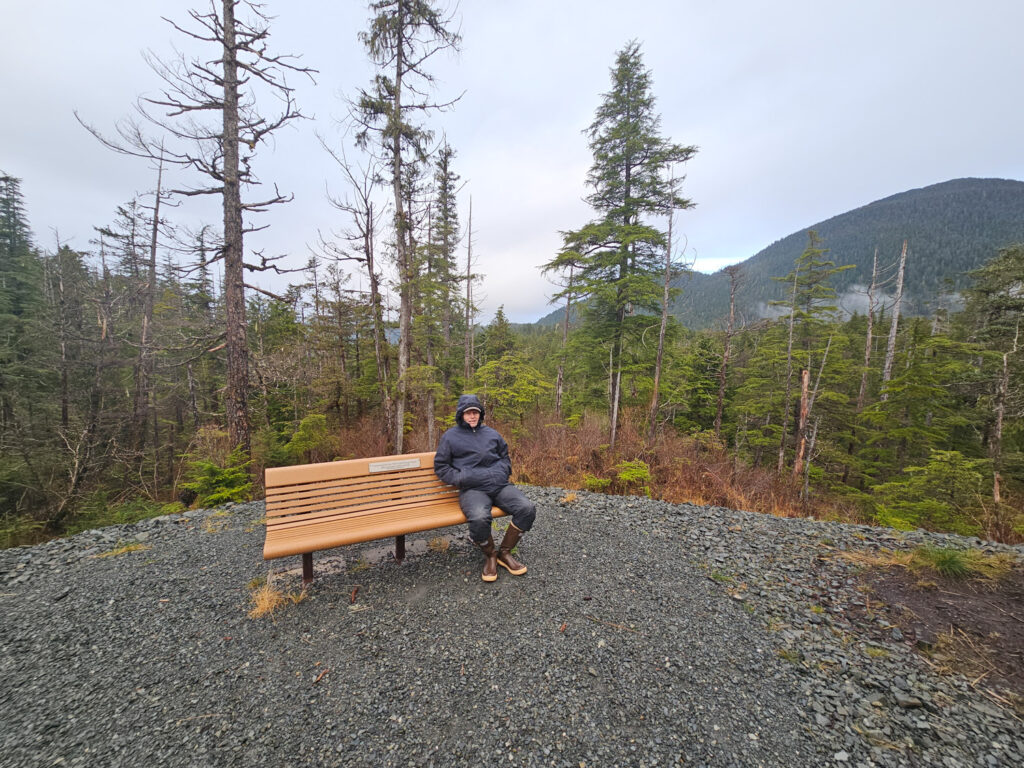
618,255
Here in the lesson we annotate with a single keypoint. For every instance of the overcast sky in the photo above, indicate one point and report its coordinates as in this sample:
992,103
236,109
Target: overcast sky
800,110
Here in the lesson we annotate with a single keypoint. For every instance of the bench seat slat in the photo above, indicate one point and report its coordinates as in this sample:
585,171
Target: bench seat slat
311,507
340,515
325,534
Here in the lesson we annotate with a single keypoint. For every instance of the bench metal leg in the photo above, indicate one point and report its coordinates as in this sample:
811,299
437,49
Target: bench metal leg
399,548
307,569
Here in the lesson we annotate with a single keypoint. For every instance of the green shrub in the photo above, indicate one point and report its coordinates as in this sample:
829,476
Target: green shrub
267,450
214,484
633,476
942,495
596,484
311,441
16,530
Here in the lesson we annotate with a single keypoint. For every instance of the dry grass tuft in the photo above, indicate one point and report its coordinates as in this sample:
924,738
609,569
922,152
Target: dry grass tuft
124,549
569,498
266,598
216,522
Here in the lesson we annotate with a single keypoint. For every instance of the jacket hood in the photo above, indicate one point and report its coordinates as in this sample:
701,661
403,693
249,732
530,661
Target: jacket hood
468,401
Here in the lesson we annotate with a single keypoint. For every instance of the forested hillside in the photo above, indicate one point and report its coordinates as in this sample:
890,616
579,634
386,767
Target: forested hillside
950,229
148,371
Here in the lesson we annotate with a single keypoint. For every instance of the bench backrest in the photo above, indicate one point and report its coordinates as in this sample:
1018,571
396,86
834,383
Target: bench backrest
319,506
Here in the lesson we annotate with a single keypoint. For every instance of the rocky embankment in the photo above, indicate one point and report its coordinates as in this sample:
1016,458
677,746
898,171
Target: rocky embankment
644,633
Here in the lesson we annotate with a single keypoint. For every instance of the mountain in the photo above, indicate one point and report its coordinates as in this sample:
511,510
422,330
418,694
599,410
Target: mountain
950,228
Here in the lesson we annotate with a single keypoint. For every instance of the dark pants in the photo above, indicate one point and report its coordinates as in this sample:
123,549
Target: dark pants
476,506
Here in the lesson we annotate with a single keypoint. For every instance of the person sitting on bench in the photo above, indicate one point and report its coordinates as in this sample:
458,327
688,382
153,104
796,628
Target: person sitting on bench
474,458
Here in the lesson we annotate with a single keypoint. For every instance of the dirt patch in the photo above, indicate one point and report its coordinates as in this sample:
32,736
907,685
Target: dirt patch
973,626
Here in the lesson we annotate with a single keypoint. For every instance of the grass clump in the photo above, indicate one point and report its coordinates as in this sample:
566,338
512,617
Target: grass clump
789,654
962,563
950,563
217,522
946,562
135,546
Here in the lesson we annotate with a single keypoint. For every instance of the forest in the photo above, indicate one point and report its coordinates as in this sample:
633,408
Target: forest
151,372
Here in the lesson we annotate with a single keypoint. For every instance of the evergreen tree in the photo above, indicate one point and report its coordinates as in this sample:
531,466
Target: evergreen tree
619,255
497,339
811,308
995,310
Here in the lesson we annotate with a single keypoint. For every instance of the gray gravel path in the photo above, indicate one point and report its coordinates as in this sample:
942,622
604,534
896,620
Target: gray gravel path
644,634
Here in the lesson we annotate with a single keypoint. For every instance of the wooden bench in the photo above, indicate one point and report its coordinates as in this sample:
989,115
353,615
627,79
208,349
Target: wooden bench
319,506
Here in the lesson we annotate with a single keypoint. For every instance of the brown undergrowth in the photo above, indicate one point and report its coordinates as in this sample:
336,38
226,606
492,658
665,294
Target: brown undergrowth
680,469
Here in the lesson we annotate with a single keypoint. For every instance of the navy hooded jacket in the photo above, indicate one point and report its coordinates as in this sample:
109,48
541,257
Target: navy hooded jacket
471,458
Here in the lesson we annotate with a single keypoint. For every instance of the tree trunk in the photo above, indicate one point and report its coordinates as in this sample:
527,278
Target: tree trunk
560,381
996,445
616,392
378,321
468,350
192,395
862,394
733,272
236,394
144,360
890,351
789,380
430,403
801,430
62,323
806,491
653,418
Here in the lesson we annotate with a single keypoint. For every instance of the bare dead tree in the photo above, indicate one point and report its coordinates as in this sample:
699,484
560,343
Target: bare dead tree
890,351
470,307
403,36
207,115
1002,395
652,418
789,375
143,400
361,236
862,394
807,399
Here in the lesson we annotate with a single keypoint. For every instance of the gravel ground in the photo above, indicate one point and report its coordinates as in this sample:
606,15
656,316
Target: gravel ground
645,633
